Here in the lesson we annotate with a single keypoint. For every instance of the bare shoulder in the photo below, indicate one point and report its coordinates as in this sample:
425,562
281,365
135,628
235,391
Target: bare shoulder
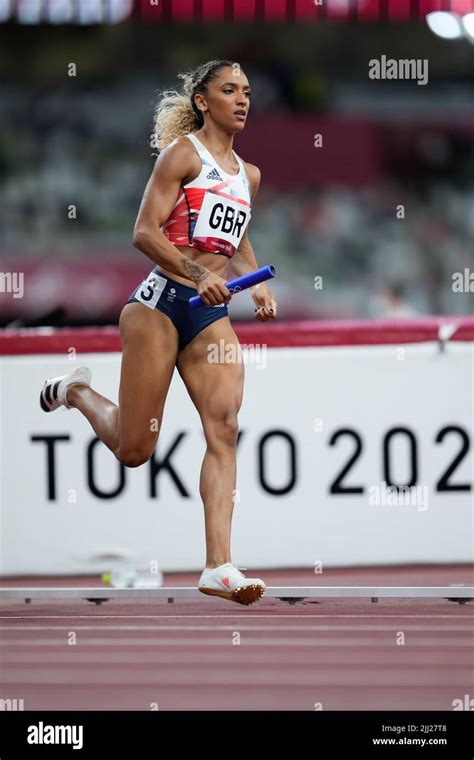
254,174
183,144
178,158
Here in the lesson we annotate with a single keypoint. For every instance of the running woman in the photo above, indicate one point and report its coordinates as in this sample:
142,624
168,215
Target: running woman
192,224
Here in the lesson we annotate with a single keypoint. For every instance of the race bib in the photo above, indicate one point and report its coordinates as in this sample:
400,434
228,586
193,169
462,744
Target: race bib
151,289
221,224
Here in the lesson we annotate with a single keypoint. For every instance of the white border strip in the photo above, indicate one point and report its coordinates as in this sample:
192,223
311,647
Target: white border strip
293,593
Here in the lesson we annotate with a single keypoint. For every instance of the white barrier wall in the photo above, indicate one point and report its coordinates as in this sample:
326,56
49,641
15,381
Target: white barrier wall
321,430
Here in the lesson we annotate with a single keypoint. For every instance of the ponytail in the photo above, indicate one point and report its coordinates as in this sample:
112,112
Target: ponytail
174,117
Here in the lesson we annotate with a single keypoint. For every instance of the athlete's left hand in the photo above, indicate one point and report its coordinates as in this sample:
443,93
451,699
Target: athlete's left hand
265,304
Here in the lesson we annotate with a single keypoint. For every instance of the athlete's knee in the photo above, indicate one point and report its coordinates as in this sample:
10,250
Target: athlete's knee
222,428
133,457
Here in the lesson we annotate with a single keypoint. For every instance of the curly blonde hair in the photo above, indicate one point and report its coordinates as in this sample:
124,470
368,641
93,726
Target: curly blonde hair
176,113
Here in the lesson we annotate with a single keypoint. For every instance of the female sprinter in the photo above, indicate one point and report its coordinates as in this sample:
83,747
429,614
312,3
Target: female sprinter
192,224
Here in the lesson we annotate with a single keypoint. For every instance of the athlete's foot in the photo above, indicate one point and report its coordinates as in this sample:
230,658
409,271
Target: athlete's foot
228,582
54,393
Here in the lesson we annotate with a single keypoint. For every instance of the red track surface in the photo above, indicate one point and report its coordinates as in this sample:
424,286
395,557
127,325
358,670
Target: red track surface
181,656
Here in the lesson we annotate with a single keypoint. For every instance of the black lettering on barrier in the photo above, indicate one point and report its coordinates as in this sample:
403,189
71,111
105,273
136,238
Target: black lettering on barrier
50,440
413,454
444,483
261,464
90,474
337,485
164,464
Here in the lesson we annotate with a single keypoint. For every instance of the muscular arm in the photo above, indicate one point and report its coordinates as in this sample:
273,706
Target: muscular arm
244,259
174,164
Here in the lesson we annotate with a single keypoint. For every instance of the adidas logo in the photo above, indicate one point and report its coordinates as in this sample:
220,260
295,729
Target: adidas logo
214,175
226,582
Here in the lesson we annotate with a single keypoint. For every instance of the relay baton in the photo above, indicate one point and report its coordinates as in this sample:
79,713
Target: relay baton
241,283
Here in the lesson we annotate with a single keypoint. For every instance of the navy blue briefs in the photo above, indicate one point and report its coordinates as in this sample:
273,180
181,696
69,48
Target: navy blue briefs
171,297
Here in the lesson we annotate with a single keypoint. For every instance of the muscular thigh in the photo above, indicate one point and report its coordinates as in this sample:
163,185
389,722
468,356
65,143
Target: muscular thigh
215,387
149,351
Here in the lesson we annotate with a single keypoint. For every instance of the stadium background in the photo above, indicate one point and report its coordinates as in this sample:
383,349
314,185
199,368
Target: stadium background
329,211
340,408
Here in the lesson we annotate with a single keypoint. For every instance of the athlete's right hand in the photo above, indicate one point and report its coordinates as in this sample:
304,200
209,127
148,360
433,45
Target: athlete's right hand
213,290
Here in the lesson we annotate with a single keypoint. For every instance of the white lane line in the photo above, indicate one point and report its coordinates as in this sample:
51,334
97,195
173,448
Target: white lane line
249,613
276,642
244,627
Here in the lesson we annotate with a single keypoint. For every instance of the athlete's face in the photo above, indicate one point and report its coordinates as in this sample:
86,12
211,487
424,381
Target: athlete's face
227,100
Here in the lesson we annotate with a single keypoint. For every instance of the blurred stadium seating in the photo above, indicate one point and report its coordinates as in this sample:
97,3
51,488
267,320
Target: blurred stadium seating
328,212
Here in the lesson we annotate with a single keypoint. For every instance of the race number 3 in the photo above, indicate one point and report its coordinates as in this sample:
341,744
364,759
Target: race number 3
151,289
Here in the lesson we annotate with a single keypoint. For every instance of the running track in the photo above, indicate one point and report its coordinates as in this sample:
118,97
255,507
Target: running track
339,654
